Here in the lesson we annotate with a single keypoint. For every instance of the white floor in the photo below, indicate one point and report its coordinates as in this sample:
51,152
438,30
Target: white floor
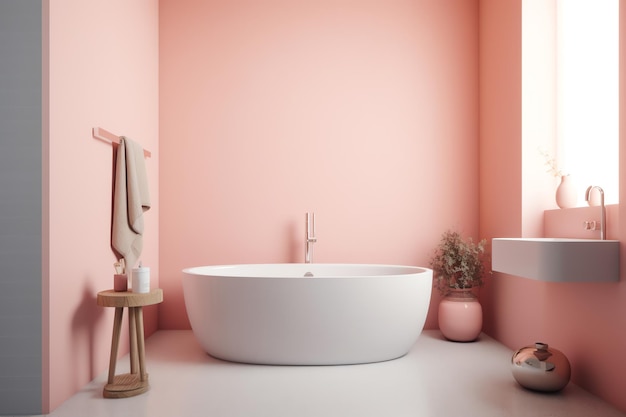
436,378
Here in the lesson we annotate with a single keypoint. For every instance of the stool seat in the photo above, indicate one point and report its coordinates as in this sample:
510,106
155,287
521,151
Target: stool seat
136,382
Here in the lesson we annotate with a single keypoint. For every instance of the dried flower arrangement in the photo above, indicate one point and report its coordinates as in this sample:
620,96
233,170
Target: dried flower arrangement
458,263
551,164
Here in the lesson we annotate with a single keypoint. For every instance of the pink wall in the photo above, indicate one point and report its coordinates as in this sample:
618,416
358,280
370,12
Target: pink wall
585,321
102,70
364,112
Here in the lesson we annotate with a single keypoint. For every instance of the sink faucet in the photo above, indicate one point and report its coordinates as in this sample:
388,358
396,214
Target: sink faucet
602,208
309,236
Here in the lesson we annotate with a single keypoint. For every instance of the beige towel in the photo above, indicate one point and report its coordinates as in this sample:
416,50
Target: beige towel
130,200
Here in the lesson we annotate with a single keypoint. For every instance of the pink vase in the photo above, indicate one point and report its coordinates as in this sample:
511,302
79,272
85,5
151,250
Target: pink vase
460,316
566,193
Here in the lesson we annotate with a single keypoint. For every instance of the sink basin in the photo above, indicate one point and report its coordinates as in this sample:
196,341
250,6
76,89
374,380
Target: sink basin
557,260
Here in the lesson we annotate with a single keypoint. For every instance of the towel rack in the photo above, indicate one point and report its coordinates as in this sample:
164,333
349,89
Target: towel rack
105,135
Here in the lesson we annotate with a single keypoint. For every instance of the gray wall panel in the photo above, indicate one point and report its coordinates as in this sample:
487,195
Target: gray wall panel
20,207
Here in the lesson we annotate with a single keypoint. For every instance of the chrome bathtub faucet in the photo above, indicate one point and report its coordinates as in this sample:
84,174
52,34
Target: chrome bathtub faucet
309,237
602,208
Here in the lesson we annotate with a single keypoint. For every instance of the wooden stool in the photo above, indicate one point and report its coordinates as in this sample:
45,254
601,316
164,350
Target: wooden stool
136,382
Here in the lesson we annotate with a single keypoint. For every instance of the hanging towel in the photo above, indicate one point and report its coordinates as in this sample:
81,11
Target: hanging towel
130,200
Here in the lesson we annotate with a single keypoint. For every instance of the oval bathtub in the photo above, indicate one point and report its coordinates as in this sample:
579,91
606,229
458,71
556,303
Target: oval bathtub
277,314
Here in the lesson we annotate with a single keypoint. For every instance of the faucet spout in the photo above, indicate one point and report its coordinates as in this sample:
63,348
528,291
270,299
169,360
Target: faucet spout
309,237
602,208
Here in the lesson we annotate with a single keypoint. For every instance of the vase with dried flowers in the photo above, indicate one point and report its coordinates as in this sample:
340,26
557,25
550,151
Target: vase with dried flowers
458,268
566,192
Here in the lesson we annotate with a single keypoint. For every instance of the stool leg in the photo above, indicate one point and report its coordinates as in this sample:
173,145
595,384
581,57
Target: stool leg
132,335
115,342
140,344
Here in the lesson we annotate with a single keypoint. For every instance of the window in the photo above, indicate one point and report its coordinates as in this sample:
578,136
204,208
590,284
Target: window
587,92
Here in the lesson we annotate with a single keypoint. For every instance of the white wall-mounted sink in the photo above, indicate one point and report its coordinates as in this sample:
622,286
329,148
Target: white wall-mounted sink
557,260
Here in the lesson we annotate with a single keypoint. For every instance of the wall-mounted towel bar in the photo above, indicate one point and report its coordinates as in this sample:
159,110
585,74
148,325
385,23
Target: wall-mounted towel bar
105,135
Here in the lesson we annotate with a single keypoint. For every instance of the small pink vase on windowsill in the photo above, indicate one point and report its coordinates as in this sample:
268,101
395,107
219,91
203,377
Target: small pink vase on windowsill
566,193
460,316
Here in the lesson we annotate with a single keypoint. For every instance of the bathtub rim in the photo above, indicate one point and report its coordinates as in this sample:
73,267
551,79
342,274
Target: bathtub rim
226,270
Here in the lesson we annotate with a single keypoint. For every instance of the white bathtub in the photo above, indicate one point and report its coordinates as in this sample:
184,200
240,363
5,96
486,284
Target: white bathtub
272,314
